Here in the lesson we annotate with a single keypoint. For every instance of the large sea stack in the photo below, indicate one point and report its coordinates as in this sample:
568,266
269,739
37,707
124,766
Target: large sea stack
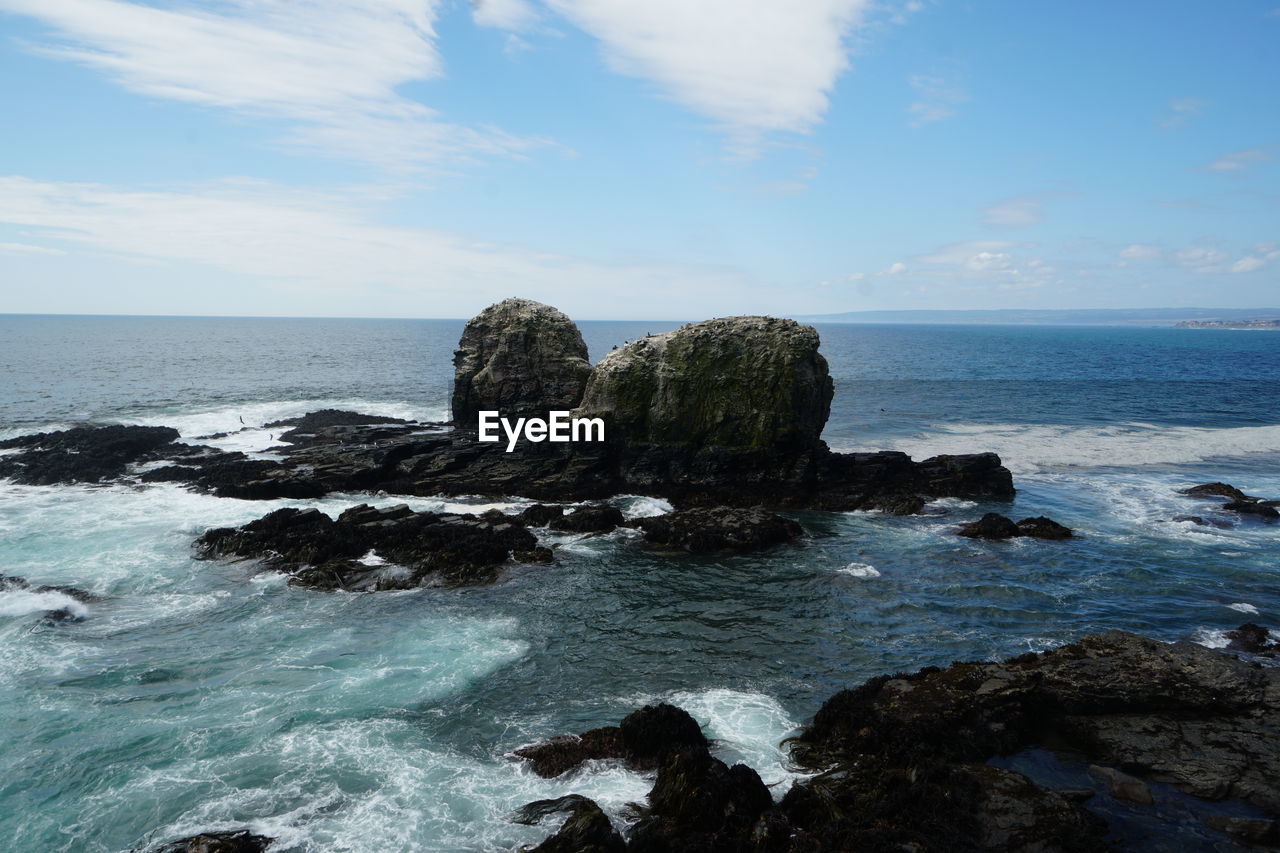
520,358
737,382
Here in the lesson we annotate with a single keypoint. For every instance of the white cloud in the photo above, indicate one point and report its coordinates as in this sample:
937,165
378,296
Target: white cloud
895,269
1249,263
1018,212
1140,252
1238,160
328,248
1263,255
504,14
330,67
986,261
960,254
1200,259
1180,111
938,99
753,66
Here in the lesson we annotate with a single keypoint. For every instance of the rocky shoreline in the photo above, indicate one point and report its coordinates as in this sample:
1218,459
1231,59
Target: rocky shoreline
723,419
922,762
723,412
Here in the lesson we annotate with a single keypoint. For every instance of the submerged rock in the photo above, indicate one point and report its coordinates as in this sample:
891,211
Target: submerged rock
1261,509
586,830
368,548
642,740
709,529
1215,490
1044,528
1254,639
589,519
996,526
519,358
741,382
241,841
80,455
993,525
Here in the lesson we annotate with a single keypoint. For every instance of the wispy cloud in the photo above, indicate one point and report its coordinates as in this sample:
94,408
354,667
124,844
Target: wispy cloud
330,247
329,67
1239,160
504,14
1208,260
751,66
1018,212
1140,252
1180,111
937,98
28,249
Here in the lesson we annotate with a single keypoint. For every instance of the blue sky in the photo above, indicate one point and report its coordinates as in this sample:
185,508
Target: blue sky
621,159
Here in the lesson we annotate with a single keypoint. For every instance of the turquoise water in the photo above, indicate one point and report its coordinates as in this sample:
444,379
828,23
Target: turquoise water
197,695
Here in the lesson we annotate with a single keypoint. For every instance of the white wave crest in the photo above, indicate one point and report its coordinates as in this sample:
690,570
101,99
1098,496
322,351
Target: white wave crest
860,570
1242,607
21,602
1030,448
749,728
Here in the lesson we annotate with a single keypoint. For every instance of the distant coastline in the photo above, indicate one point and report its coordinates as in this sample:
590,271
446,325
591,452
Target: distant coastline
1228,324
1188,318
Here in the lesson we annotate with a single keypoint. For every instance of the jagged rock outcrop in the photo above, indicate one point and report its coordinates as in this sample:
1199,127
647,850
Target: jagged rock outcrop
993,525
1182,714
643,740
368,548
520,358
737,382
704,530
81,454
728,412
240,841
586,830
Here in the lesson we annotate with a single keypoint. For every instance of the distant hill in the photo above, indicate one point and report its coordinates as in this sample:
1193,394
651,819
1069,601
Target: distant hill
1060,317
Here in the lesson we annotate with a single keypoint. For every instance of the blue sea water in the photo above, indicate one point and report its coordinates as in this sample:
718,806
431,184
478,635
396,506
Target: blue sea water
201,695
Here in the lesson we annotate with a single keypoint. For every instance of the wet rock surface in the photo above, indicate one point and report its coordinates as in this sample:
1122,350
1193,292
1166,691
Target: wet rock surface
1238,502
641,741
80,455
519,358
242,841
588,519
1254,639
587,829
1200,720
709,529
901,761
368,548
996,526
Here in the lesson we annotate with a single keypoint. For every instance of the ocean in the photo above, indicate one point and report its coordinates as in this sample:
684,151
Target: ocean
199,695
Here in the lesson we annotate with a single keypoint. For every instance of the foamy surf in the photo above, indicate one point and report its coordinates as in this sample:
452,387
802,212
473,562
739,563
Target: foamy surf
19,602
1032,448
859,570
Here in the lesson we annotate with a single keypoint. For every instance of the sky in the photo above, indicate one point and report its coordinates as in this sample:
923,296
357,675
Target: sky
664,159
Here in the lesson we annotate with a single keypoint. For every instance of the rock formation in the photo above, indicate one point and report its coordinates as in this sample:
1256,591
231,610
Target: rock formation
725,412
368,548
738,382
520,358
901,761
708,529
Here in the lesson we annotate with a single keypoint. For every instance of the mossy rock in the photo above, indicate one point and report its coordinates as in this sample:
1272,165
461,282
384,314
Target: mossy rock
742,382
